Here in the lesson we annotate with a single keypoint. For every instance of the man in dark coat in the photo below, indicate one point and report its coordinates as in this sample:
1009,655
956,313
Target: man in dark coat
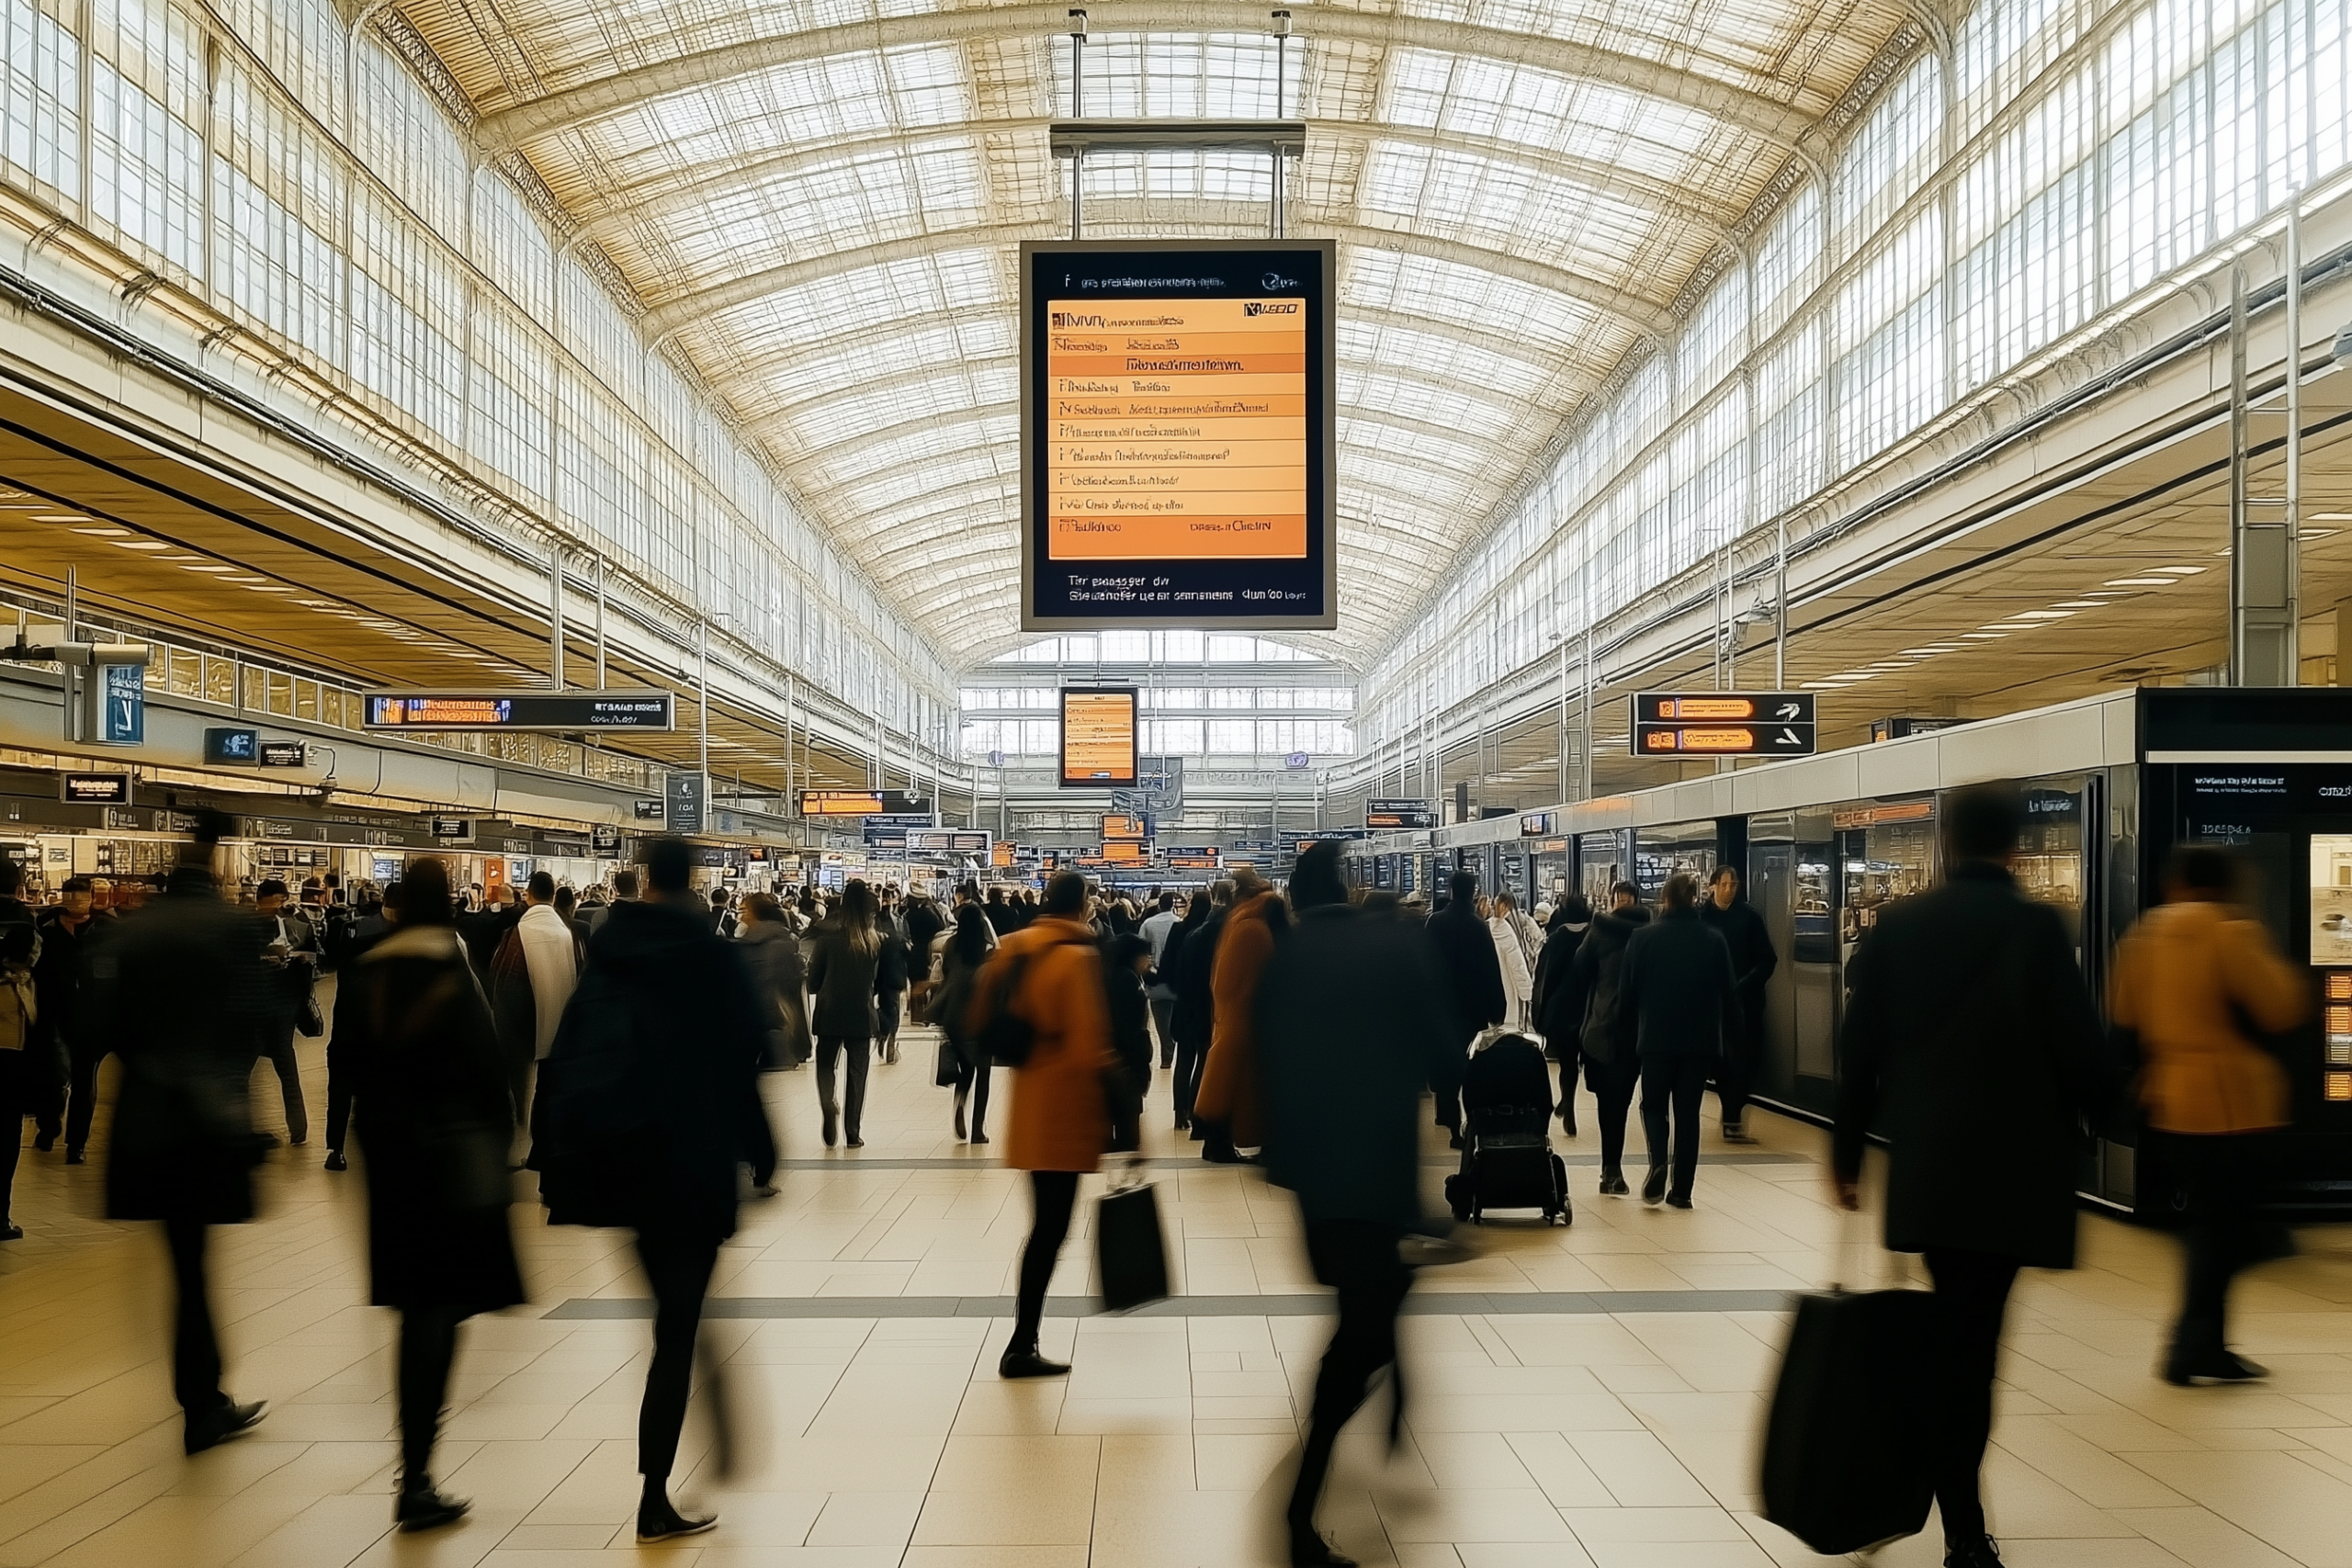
1676,999
1734,920
185,1001
1196,1005
1562,934
434,1119
1349,1026
1970,1042
1470,981
67,934
1583,1012
23,1076
655,1103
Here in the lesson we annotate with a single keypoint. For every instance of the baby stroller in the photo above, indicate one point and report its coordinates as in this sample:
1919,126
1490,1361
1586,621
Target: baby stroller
1507,1158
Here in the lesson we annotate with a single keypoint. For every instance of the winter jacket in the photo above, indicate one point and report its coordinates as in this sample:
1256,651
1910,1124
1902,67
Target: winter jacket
1059,1119
1752,957
843,981
2188,978
1230,1089
1470,973
1675,996
1585,1009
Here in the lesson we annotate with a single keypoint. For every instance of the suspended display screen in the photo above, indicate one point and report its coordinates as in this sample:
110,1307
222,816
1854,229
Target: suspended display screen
1177,435
1098,737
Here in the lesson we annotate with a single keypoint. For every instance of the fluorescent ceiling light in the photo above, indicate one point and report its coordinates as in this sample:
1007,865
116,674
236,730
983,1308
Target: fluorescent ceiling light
104,532
2042,614
2078,603
2181,570
2142,581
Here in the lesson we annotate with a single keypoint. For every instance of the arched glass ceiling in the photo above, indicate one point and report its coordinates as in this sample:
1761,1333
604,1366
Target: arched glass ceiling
819,203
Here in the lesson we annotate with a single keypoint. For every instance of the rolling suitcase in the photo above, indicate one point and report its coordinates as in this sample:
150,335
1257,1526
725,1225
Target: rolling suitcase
1847,1447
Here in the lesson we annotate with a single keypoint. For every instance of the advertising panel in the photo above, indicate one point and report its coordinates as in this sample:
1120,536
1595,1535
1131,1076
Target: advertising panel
1177,433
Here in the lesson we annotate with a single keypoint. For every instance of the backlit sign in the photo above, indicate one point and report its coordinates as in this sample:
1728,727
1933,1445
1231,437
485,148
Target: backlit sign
1399,814
1724,724
1098,737
1122,828
556,712
94,789
1177,433
863,802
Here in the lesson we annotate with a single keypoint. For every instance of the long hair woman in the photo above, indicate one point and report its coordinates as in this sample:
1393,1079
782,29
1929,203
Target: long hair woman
844,962
968,944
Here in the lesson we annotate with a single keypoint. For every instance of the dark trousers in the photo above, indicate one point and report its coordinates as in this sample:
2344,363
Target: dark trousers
1052,1195
1191,1056
196,1352
518,1089
1612,1086
1971,1295
1736,1073
428,1348
860,1052
82,1090
338,1101
1359,1258
16,1092
1163,1019
974,1082
888,1007
280,1056
678,1268
2219,1175
1678,1083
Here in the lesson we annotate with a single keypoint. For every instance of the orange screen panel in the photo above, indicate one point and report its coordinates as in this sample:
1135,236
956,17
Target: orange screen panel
1097,738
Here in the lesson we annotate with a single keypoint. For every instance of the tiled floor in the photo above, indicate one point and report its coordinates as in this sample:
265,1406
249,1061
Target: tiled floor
1582,1436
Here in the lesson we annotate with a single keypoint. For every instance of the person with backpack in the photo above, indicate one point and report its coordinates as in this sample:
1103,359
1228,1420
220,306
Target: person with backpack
2194,979
655,1106
845,956
1584,1011
432,1099
1039,1005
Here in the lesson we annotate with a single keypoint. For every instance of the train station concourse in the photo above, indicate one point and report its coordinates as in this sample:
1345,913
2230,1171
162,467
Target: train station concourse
1175,784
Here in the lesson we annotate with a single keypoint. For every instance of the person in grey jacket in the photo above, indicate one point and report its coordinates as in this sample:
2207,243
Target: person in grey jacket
1678,1000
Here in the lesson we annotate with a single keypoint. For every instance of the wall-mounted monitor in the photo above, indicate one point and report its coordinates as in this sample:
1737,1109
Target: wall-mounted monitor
1178,437
1098,737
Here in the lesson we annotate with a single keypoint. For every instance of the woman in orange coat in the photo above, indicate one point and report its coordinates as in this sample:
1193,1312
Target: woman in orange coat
1229,1097
2188,975
1061,1123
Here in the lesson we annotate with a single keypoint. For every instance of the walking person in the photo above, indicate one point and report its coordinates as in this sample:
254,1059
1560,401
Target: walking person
892,972
290,946
780,977
185,1002
1049,977
1470,979
1564,933
2191,977
655,1107
61,979
1351,1027
1229,1098
436,1111
1676,1001
1735,920
1157,927
1586,1009
844,975
371,930
22,1071
1186,962
1514,956
966,949
1970,1041
534,972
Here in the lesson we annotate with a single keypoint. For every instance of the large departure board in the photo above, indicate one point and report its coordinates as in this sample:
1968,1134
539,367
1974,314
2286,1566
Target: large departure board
1177,435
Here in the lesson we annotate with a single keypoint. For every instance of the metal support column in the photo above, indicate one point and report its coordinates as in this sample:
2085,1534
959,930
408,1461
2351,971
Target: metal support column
600,621
702,719
1780,605
1282,108
555,617
1078,111
70,687
2262,628
2291,529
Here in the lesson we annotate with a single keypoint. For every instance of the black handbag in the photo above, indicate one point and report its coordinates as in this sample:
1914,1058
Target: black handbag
948,1069
1847,1447
1130,1255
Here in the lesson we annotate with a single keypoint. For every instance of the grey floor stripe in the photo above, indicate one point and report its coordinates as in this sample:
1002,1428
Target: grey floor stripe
1449,1162
1421,1304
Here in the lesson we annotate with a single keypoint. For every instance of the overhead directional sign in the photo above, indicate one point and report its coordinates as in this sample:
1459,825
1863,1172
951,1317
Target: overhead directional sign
864,803
1724,724
556,712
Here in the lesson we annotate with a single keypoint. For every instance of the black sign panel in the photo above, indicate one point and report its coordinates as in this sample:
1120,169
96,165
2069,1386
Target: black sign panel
682,803
604,837
1724,724
646,810
453,830
94,789
1178,433
553,711
1416,815
233,747
284,754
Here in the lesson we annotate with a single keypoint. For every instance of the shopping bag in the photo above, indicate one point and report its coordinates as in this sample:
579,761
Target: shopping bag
1130,1255
1846,1446
946,1070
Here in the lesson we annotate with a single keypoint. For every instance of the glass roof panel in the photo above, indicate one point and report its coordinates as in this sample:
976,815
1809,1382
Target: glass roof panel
825,227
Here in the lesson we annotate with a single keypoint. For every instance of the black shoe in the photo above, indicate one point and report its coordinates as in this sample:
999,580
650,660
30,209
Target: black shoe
1678,1200
1978,1553
1653,1185
1027,1363
660,1521
1309,1550
979,1137
1568,1120
765,1189
299,1139
424,1507
1219,1153
1454,1140
854,1143
44,1142
960,1135
11,1233
216,1426
2214,1367
1738,1133
832,1128
75,1157
1612,1185
335,1160
1183,1124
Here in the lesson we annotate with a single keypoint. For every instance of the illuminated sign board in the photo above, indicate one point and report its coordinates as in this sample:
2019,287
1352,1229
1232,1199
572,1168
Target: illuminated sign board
556,712
946,840
1122,828
1001,852
1098,737
284,754
863,802
1177,433
94,789
1195,862
232,746
1724,724
1398,814
1123,852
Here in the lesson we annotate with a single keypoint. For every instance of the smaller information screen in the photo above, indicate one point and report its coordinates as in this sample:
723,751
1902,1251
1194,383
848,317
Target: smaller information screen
555,711
1098,737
